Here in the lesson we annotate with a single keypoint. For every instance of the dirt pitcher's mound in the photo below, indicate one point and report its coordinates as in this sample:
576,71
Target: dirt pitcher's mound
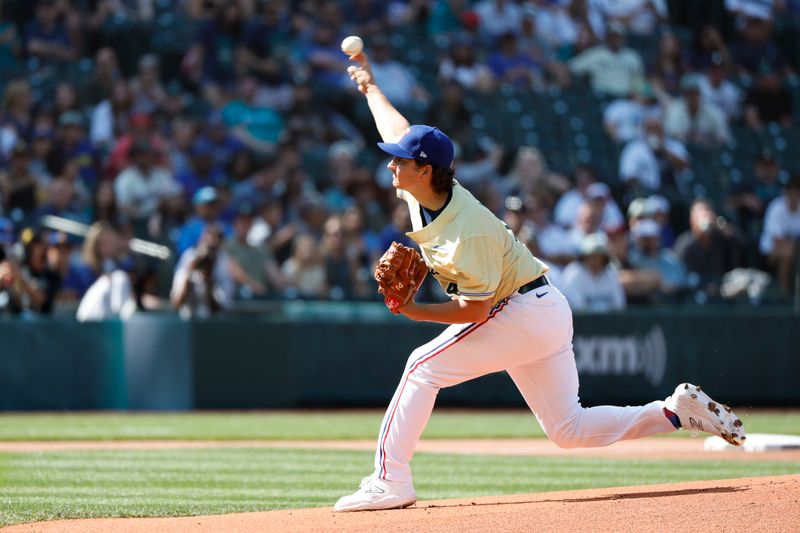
748,504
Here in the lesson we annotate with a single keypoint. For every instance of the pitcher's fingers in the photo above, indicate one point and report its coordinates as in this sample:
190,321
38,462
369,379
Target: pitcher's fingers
360,57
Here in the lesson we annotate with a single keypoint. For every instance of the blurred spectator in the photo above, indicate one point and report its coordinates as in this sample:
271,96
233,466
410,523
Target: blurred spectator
707,45
670,65
183,135
396,228
690,119
101,81
202,285
751,9
224,143
111,294
640,17
553,240
530,175
263,36
304,270
60,199
749,197
710,248
612,69
566,209
42,154
657,207
259,128
588,221
10,44
207,211
647,163
104,203
18,186
212,60
639,285
342,267
66,98
110,119
202,171
46,36
768,101
31,281
568,28
531,45
142,186
756,48
253,268
592,284
623,119
479,170
717,89
73,145
463,67
648,253
139,126
15,121
497,18
397,81
514,67
782,232
314,125
149,94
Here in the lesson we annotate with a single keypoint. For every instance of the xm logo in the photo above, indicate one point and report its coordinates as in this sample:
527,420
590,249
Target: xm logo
623,355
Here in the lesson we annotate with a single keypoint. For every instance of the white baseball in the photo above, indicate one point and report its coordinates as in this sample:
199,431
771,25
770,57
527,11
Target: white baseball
352,45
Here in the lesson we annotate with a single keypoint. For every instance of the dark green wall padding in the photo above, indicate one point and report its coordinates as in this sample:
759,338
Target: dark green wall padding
343,355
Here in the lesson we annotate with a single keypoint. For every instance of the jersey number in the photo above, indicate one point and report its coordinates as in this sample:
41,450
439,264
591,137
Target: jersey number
452,288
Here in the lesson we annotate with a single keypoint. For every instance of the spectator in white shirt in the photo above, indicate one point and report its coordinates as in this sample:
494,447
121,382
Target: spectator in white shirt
640,17
142,186
782,230
623,119
644,160
693,120
592,284
717,89
498,17
611,68
463,67
397,81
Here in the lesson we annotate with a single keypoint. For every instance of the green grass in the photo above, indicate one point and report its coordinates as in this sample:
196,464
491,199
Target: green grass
303,425
75,484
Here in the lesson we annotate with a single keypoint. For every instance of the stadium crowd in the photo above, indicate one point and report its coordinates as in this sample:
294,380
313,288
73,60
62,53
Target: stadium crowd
229,132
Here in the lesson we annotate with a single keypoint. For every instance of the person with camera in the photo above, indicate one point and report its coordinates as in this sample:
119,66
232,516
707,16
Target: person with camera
202,285
29,280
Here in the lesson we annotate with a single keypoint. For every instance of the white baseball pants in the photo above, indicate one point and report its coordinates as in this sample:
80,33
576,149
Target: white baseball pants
529,337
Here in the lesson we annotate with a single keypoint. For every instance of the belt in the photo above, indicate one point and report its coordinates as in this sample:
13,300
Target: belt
541,281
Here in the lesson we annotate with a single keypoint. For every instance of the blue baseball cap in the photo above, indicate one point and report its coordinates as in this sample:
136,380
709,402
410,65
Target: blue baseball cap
425,144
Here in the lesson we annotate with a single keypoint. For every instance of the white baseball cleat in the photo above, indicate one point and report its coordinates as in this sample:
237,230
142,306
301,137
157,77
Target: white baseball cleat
375,494
698,412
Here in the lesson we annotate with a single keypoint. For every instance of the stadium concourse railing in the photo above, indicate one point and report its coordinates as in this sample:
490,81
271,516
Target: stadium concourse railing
337,354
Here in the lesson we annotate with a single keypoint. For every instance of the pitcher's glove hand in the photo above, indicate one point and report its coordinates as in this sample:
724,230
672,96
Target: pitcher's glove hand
399,273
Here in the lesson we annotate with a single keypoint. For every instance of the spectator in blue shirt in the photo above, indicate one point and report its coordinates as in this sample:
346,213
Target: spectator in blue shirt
46,37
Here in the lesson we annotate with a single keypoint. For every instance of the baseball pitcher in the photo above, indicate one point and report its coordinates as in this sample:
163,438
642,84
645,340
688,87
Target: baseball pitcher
503,314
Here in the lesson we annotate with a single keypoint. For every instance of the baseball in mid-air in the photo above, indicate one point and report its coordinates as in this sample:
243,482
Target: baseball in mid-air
352,45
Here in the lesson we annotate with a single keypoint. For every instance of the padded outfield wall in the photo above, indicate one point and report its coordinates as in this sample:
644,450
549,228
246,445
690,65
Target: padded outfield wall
344,355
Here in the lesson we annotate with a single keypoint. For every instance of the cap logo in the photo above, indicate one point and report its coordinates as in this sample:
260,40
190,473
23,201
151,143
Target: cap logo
423,154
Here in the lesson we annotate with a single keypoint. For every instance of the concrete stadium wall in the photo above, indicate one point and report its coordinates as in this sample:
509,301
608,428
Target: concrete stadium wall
338,355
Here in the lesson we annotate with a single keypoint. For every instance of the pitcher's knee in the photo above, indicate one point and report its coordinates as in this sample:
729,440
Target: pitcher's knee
566,435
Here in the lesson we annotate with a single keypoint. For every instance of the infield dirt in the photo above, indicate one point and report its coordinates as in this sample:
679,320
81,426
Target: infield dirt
747,504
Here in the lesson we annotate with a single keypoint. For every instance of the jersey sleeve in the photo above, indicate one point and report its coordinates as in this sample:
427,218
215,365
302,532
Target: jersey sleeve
479,261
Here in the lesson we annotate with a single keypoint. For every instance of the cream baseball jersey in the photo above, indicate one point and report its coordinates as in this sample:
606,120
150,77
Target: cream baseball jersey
472,254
